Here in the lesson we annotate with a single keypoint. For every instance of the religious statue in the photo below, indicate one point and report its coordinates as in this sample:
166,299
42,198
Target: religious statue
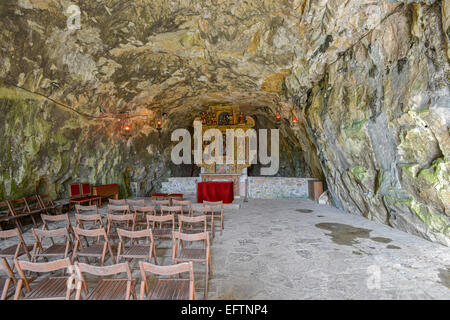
203,116
213,119
241,118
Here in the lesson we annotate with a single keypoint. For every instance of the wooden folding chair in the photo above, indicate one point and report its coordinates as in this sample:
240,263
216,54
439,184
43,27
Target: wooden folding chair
122,209
185,204
86,219
19,209
62,219
140,215
34,207
48,205
175,211
181,253
136,203
116,221
158,203
6,215
86,209
192,225
167,289
216,210
51,288
106,289
54,250
16,250
162,226
97,249
115,202
136,250
207,212
7,281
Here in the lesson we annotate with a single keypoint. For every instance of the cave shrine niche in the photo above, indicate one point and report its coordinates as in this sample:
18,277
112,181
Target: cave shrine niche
223,118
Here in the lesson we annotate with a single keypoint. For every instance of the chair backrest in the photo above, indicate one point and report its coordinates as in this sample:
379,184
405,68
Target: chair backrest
147,233
119,220
153,221
85,189
170,210
161,202
74,190
90,218
122,209
136,203
101,272
105,270
6,234
184,267
41,234
176,202
191,237
148,209
213,204
182,219
56,218
117,202
100,232
41,267
81,209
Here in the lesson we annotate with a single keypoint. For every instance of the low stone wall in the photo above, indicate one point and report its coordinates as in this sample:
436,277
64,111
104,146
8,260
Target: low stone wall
258,187
277,187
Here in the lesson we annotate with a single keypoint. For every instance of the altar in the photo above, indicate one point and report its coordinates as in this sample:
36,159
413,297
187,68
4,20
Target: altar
223,119
233,177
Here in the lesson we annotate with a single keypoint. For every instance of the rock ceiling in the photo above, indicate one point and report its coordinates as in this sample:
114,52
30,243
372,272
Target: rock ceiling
180,55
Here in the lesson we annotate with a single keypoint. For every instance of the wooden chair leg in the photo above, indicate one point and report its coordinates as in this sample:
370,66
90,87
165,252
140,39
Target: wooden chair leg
206,279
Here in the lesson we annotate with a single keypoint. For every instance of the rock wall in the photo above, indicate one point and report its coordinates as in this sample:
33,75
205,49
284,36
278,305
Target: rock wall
367,79
379,118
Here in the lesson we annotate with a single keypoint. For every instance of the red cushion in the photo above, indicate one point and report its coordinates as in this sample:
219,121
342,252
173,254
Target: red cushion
86,188
159,195
75,190
175,195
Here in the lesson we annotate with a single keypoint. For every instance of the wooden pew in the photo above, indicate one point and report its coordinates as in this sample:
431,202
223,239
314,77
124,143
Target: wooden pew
106,190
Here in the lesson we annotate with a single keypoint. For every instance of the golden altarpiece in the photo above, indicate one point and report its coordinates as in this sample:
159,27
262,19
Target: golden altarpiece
223,118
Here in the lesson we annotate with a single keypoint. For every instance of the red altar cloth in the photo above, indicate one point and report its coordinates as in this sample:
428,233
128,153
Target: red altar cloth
215,191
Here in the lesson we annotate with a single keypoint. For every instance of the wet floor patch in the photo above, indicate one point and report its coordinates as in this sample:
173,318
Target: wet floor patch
444,275
344,234
304,210
391,246
381,239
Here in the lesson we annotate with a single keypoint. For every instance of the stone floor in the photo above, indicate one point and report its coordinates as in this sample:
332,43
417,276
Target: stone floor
297,249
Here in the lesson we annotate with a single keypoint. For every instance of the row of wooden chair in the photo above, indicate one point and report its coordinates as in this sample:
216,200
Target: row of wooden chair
16,210
63,287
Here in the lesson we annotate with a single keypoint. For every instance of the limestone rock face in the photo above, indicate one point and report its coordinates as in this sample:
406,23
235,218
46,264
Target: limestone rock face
379,117
367,79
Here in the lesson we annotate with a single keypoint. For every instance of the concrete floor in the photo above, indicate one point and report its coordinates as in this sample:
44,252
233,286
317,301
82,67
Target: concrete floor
269,250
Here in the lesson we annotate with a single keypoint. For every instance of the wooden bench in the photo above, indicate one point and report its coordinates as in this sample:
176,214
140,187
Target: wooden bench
106,191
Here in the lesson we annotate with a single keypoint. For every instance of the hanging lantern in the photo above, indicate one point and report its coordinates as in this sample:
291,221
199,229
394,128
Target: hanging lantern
294,121
158,125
